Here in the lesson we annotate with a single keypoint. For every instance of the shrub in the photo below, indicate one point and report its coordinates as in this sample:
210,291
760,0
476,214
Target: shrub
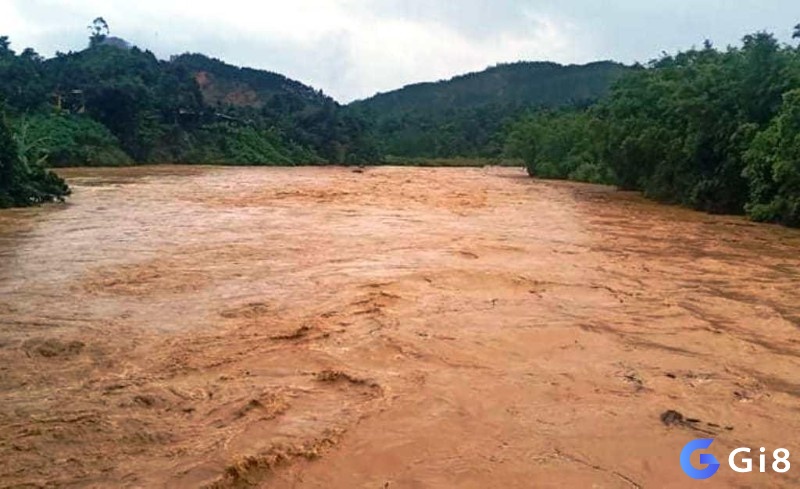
23,179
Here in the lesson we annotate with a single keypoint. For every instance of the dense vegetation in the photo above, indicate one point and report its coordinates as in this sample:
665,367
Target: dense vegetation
284,110
715,130
23,179
467,115
114,104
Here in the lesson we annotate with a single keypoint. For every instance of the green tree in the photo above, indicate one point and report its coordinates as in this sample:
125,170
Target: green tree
567,144
773,167
70,139
99,31
23,179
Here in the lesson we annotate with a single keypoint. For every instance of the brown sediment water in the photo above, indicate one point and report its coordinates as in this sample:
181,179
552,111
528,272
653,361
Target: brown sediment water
396,328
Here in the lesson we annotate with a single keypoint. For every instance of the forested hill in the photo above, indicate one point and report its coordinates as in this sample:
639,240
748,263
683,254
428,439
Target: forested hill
113,103
537,84
224,84
463,116
304,115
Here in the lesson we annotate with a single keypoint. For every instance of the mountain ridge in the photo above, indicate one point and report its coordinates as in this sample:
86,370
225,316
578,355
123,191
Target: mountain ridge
467,114
489,70
264,83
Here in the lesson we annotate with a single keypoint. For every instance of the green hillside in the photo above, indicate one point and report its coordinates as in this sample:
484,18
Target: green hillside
114,104
464,116
305,116
224,84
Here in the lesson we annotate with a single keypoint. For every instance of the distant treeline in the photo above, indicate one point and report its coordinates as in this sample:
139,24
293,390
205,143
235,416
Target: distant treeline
715,130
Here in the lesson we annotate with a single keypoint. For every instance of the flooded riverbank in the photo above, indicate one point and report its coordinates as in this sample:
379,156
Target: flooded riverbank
400,327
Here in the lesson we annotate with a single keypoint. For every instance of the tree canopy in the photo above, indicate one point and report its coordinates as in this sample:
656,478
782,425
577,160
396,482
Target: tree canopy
714,130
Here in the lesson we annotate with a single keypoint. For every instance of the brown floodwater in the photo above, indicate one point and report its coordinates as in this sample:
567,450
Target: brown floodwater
394,328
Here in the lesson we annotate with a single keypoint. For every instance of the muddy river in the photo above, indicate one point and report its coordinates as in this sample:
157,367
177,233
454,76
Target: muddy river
397,328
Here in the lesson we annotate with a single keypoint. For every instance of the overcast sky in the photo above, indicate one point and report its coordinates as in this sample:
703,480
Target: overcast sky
354,48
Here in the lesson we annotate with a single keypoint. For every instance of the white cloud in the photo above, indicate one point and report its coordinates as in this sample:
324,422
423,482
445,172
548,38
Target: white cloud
397,52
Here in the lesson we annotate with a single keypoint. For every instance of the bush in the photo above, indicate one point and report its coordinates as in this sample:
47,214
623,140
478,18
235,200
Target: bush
74,140
226,144
23,179
567,144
